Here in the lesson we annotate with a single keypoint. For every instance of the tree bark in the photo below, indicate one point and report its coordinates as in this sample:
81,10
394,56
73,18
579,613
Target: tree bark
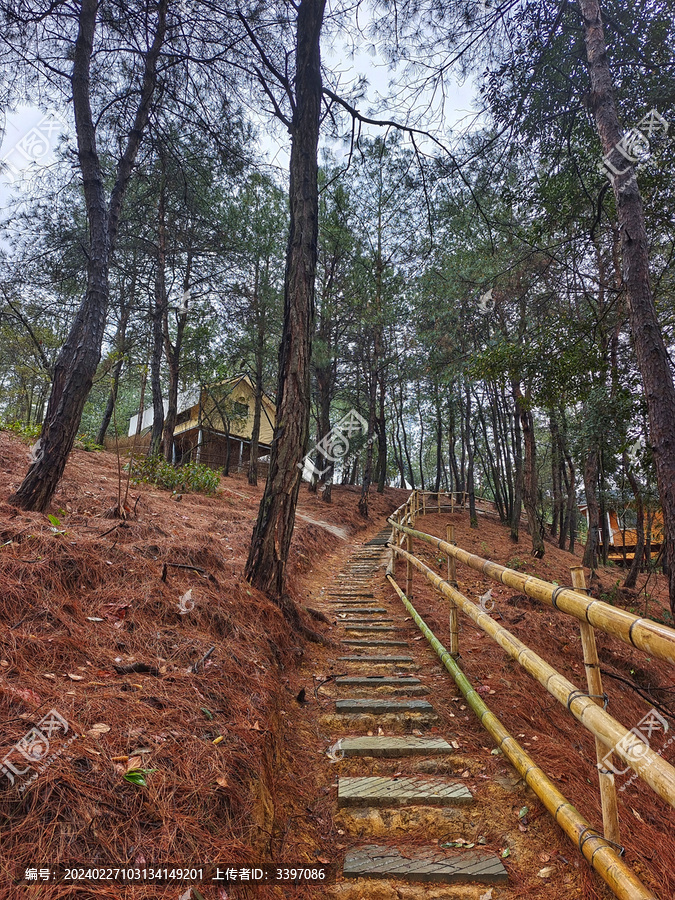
631,579
530,478
590,486
650,348
518,476
266,564
120,347
77,362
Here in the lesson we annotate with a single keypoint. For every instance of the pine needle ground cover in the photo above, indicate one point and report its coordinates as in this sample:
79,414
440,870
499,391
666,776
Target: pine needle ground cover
181,756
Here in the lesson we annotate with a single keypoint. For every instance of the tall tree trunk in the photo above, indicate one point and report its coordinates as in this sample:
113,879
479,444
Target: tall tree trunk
120,347
556,479
158,333
518,475
530,479
173,354
266,564
381,425
473,518
631,579
257,413
590,486
650,348
569,520
367,472
77,362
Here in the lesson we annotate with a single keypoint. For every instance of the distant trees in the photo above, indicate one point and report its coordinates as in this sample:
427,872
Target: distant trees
76,365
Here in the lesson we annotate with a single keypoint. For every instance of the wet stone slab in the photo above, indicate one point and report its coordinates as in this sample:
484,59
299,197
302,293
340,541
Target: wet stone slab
405,790
390,747
376,705
370,642
424,864
376,660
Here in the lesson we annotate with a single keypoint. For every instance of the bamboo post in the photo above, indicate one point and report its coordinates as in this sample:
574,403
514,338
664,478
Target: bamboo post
438,497
424,504
452,581
409,567
610,812
452,503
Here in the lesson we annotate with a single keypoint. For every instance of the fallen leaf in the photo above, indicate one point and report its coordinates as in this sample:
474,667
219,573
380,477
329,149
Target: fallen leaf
75,677
637,815
28,696
222,781
546,872
134,762
323,860
49,675
98,729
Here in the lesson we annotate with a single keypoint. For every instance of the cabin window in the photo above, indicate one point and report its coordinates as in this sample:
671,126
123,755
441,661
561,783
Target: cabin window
240,410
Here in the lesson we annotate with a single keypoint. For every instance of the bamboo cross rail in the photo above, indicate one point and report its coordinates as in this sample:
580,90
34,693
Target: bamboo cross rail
644,634
610,735
651,767
601,854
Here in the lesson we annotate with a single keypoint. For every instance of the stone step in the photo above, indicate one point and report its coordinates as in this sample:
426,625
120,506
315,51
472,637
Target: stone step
394,747
377,660
373,642
379,680
355,626
383,707
427,864
404,790
361,610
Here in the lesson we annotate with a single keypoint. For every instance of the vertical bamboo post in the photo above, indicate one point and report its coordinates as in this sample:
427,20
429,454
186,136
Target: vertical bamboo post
452,581
610,812
409,568
424,504
438,497
452,503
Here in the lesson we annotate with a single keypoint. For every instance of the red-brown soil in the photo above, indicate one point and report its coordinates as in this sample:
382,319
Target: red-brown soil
86,595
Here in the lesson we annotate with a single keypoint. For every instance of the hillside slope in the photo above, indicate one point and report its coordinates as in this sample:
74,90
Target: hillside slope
95,624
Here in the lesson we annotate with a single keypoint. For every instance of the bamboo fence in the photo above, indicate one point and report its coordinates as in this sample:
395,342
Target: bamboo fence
610,735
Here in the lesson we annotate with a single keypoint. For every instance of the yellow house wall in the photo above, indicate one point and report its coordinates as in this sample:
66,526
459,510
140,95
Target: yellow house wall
242,393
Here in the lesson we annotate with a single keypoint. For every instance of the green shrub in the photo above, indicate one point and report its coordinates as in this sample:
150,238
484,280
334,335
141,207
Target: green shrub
84,442
30,432
191,477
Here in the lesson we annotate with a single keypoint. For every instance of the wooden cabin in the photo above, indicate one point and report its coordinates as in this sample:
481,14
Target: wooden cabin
623,540
216,420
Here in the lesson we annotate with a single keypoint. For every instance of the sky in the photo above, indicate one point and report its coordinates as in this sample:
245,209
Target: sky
30,135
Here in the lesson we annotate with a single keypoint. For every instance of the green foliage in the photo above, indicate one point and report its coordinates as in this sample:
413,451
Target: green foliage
138,776
190,478
29,432
84,442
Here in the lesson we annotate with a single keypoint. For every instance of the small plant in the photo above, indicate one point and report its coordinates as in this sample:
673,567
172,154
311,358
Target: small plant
137,776
84,442
29,432
516,563
192,477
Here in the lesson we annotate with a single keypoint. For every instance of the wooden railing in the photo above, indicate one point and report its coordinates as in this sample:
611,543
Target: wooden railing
587,706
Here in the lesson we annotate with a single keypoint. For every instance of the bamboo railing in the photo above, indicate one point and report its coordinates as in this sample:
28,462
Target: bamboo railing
610,735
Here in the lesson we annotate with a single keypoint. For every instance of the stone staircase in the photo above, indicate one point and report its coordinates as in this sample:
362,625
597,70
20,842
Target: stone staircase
387,794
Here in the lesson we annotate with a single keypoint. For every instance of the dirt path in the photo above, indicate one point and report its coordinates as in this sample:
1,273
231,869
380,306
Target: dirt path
405,804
